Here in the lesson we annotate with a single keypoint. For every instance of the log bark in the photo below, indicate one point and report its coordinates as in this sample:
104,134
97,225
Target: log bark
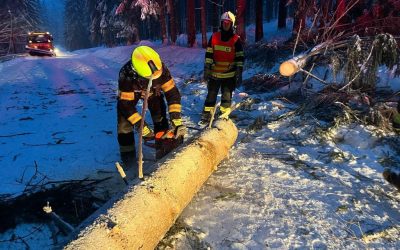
145,213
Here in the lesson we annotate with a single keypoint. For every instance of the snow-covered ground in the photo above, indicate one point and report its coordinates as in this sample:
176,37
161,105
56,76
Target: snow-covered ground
286,184
286,187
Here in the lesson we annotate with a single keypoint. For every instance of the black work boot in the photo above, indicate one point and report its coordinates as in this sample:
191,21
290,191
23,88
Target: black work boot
164,146
392,177
128,159
205,118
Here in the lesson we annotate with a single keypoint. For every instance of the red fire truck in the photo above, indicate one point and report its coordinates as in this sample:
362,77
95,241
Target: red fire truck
40,43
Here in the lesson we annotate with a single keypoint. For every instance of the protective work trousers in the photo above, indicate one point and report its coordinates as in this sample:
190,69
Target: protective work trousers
126,139
227,86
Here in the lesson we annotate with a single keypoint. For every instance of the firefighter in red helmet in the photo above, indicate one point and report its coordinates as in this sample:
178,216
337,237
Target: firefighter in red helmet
223,67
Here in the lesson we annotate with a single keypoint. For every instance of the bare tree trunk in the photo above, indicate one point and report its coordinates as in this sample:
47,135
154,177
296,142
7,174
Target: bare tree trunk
12,36
299,16
180,19
203,24
191,25
276,9
259,20
163,23
249,12
240,20
216,15
13,44
269,10
325,6
282,14
172,20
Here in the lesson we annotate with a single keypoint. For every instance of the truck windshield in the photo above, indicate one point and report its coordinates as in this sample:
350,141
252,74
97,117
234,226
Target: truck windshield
40,39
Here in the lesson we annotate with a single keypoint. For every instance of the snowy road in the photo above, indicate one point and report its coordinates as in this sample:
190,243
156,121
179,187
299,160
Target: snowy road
285,185
59,113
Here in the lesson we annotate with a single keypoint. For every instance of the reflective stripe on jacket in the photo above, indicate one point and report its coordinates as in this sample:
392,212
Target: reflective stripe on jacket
223,56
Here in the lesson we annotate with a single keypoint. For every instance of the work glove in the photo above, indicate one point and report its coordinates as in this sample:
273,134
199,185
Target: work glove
180,131
179,128
148,133
207,72
238,76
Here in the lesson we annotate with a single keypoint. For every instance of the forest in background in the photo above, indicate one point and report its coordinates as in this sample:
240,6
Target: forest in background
91,23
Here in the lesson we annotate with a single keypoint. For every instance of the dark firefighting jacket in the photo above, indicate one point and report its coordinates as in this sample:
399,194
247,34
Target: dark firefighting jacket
224,54
131,88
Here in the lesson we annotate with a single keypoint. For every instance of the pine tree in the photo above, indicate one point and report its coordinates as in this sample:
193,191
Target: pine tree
191,27
16,18
282,14
216,15
53,21
269,10
76,26
29,10
136,15
94,23
172,20
163,24
259,20
203,24
130,16
299,15
240,18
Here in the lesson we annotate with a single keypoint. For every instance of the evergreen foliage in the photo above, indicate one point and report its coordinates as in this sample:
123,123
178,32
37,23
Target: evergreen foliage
53,19
76,23
365,57
104,25
17,18
384,52
355,57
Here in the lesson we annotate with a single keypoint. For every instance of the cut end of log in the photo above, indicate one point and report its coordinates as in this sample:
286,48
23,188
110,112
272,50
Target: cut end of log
289,68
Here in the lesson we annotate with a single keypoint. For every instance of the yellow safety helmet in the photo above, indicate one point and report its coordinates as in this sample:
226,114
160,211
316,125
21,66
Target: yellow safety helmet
229,16
146,62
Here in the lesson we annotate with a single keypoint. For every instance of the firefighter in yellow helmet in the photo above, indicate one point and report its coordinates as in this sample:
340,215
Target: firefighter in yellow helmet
132,84
223,66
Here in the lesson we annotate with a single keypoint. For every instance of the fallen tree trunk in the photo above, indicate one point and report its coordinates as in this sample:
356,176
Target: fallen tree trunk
145,213
294,65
